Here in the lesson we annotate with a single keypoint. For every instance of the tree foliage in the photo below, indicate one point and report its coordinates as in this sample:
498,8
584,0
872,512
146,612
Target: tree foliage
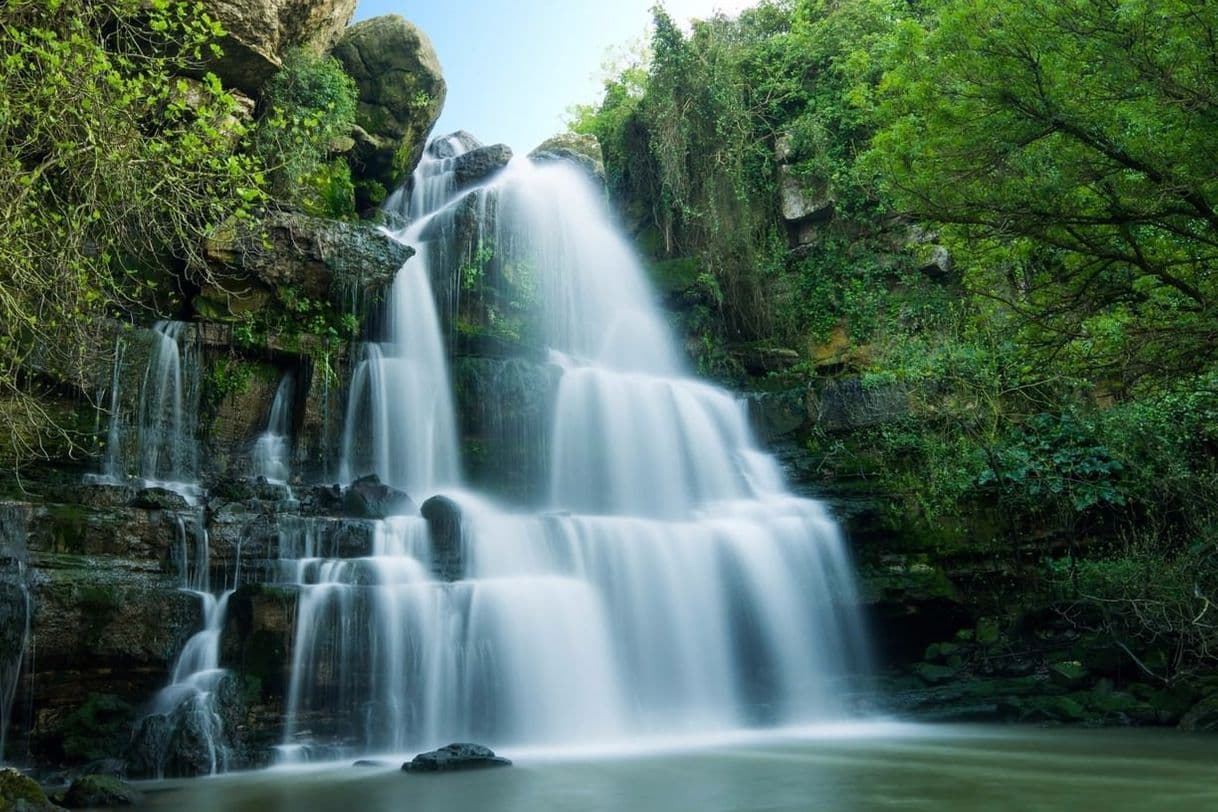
1070,144
112,167
307,106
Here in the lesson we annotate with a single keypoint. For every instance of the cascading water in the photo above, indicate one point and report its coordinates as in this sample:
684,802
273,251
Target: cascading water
400,423
158,444
189,705
271,455
673,586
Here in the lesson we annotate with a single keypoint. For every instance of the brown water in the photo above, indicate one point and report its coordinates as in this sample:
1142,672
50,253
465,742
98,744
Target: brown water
882,767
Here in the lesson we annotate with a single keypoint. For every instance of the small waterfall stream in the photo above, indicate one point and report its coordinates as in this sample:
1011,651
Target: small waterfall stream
271,455
188,705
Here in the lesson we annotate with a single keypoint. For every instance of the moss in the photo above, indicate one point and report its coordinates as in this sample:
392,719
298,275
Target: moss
20,792
97,729
69,523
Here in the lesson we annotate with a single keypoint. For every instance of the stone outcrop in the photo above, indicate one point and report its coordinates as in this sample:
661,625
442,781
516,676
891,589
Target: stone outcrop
478,165
805,202
443,517
324,260
580,149
401,92
258,33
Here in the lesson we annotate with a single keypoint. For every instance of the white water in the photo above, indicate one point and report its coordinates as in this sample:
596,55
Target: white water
673,588
164,449
400,424
271,455
190,698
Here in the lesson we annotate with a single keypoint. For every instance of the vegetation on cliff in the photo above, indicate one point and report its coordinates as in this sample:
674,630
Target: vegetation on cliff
1002,212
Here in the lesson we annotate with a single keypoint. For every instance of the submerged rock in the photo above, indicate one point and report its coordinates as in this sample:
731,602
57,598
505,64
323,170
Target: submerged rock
94,791
455,757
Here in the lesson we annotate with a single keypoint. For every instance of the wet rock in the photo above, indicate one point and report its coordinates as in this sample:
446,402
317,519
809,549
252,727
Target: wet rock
455,757
198,737
846,404
443,517
369,498
1201,716
369,762
444,148
777,414
762,360
99,791
158,499
20,793
478,165
400,91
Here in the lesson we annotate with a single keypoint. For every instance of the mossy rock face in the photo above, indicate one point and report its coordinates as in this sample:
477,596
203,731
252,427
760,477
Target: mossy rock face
400,90
98,729
20,793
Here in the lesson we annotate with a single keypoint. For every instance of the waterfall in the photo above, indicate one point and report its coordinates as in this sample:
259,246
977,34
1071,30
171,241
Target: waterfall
16,610
673,585
400,423
158,444
191,704
271,455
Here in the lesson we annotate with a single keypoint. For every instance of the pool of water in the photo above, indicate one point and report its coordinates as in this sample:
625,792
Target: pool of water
868,767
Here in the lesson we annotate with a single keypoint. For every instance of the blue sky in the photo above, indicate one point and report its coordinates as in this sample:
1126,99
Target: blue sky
513,68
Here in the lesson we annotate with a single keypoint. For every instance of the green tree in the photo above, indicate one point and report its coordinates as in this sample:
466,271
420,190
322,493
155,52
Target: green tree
1070,147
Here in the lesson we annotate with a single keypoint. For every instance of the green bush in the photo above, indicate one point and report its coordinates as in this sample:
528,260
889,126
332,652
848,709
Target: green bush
306,107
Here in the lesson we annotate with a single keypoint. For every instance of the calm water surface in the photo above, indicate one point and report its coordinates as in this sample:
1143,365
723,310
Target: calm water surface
872,767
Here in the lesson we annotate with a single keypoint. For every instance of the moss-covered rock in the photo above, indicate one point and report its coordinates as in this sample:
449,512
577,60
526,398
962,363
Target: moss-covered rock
400,94
20,793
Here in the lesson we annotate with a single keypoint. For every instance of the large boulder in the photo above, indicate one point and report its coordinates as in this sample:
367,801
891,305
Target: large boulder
582,150
98,792
369,498
479,165
455,757
443,517
401,92
259,32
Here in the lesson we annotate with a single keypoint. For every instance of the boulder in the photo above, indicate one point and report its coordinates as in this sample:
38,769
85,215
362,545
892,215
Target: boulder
20,793
100,791
259,32
847,404
369,498
443,517
319,259
478,165
1202,716
455,757
401,92
449,146
582,150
